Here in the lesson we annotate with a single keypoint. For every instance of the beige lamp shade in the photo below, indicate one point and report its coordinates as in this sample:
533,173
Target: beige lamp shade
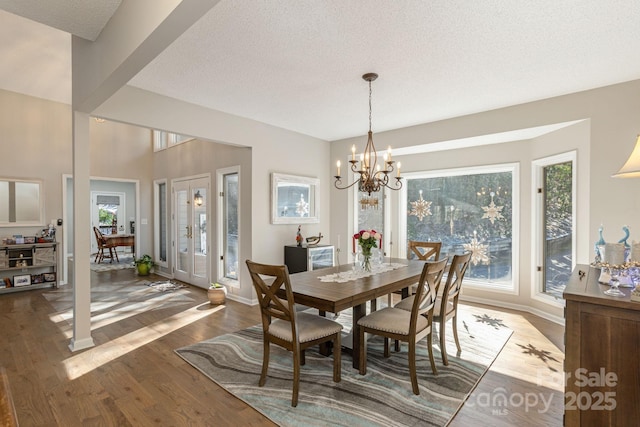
631,168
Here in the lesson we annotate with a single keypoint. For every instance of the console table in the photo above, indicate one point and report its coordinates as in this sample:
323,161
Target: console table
602,347
308,258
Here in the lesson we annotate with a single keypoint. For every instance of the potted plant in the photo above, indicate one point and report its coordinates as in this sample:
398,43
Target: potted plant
144,264
217,293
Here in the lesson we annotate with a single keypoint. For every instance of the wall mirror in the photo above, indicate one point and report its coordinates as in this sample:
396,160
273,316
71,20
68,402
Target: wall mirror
21,203
294,199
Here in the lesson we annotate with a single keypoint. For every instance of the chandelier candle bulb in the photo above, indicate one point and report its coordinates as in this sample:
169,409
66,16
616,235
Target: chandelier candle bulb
338,166
353,152
388,157
398,172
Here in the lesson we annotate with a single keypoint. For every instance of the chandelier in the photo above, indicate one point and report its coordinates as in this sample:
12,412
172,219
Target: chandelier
372,175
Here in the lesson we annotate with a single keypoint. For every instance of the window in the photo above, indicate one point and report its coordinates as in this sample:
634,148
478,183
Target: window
161,226
163,140
470,209
21,203
228,225
370,213
554,224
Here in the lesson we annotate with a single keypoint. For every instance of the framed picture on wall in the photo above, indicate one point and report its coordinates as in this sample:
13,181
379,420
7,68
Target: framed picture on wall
22,280
49,277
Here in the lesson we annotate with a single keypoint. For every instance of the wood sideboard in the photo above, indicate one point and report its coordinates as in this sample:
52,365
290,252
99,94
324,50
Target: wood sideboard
602,354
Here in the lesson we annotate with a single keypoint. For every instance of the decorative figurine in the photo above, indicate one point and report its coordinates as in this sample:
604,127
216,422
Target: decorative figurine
299,236
599,243
314,240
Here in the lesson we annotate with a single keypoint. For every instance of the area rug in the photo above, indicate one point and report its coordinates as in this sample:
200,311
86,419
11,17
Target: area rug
125,261
382,397
165,286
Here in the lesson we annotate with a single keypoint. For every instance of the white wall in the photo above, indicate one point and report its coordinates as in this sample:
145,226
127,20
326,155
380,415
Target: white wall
272,150
604,140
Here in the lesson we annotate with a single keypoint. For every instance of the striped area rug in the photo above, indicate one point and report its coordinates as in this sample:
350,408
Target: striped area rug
382,397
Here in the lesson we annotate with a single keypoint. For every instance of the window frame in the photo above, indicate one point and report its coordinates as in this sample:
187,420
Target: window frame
156,221
220,226
537,247
514,168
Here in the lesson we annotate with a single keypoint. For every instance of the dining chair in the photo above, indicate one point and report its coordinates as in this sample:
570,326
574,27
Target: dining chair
424,251
447,304
408,326
102,245
284,326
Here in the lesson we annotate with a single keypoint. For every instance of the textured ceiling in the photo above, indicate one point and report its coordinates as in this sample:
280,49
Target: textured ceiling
298,64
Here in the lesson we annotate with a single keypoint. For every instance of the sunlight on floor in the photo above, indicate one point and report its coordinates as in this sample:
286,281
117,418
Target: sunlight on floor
88,360
104,313
532,357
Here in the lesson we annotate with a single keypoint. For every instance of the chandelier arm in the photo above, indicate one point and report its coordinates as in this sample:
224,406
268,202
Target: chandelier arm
338,182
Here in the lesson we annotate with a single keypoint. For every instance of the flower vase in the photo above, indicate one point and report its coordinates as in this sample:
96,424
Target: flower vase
366,259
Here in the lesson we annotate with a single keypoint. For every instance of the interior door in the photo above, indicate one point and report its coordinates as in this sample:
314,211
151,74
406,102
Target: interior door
190,209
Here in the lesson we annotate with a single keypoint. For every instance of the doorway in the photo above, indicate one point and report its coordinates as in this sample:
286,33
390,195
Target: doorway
190,230
107,213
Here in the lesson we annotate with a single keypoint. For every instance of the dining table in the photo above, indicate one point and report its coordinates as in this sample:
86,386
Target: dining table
114,240
309,290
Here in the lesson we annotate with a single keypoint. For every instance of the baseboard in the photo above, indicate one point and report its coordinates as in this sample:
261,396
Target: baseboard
242,299
518,307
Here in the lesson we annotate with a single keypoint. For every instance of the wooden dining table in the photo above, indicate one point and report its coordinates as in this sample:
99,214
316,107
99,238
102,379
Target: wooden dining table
113,240
334,297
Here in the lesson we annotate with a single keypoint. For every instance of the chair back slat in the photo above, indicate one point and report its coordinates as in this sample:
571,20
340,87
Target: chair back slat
427,290
457,270
423,250
99,237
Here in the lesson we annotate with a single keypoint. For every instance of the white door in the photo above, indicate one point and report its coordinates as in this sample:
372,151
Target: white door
107,213
190,213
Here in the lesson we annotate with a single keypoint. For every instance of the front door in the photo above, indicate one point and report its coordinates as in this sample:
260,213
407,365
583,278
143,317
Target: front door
191,257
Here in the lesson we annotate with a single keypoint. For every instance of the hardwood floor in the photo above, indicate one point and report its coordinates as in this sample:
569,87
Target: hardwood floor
132,377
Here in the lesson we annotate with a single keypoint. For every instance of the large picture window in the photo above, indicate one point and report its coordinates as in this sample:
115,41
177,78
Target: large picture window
469,209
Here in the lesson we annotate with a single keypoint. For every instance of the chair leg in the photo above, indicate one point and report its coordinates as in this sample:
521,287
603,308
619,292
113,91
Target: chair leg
296,377
303,360
412,367
386,347
97,255
115,251
337,359
443,347
431,358
363,352
265,362
454,324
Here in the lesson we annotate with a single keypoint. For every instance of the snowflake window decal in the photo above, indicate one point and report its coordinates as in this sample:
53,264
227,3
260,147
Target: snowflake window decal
492,212
302,207
420,208
478,250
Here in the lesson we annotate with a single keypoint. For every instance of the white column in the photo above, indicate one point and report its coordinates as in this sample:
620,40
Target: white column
81,234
